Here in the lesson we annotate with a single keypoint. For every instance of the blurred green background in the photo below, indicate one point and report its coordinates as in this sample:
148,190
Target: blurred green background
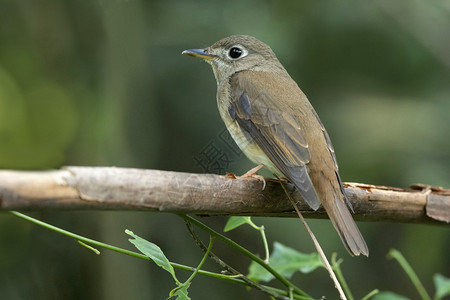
104,83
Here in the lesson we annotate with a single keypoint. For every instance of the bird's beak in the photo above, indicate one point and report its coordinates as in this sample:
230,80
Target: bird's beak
200,53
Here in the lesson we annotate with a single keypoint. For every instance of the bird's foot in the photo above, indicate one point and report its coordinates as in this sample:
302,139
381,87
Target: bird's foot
252,174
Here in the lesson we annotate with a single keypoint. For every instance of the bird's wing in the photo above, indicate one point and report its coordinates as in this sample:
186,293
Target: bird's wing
333,156
276,131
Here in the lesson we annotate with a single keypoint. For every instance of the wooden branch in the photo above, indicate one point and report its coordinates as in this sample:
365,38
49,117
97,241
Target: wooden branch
110,188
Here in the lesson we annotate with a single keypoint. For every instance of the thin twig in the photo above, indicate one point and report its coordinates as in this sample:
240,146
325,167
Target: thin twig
317,245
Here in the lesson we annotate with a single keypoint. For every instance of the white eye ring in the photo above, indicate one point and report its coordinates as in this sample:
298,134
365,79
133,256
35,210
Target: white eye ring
236,52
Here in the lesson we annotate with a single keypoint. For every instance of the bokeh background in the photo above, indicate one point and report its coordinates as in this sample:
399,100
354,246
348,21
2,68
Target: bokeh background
104,83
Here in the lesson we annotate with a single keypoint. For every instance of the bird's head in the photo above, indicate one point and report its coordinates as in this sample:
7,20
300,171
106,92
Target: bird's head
236,53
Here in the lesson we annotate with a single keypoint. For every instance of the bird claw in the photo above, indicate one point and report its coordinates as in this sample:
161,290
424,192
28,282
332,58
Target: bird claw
260,178
257,177
252,174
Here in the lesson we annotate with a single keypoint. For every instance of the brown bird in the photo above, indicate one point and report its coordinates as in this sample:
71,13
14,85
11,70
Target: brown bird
274,124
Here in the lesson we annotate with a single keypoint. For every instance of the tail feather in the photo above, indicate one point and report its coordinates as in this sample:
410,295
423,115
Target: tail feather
347,229
342,220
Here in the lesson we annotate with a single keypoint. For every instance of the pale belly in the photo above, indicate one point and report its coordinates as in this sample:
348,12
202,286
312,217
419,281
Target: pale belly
250,149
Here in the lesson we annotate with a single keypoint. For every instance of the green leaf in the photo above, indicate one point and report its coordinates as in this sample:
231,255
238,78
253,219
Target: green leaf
285,261
389,296
442,285
153,252
181,292
234,222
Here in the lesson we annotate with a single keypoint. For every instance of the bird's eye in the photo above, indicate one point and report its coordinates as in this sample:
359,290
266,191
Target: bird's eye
235,52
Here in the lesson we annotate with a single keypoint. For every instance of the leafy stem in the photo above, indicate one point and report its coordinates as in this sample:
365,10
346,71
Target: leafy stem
370,295
208,250
336,265
87,242
275,293
236,221
246,252
263,236
395,254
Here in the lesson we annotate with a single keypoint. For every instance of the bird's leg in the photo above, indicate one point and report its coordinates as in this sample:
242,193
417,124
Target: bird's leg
252,174
253,171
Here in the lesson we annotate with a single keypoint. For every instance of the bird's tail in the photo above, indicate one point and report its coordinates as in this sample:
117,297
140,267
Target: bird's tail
342,219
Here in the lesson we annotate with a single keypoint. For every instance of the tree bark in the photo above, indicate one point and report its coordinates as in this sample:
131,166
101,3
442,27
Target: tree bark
110,188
